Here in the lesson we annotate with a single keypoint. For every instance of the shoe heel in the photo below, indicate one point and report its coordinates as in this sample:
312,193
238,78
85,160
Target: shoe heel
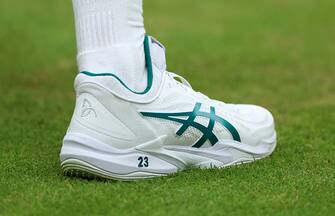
84,156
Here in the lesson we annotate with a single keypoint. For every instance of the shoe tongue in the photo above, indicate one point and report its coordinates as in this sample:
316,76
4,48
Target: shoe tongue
157,52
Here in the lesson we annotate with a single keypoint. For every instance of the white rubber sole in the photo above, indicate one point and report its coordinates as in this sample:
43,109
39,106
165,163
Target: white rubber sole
84,156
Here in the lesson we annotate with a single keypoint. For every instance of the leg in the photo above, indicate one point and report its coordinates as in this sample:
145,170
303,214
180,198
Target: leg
110,35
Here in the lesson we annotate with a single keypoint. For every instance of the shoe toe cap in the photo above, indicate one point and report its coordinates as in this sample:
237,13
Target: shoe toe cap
255,123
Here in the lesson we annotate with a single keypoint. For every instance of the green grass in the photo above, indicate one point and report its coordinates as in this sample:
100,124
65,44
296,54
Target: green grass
278,54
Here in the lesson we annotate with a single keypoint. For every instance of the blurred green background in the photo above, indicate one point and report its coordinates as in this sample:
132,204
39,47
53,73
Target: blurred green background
276,53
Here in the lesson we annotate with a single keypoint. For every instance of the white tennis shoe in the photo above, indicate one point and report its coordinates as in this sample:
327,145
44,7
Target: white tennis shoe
122,134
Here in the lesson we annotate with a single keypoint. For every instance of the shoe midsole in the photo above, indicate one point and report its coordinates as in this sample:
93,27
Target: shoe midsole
151,159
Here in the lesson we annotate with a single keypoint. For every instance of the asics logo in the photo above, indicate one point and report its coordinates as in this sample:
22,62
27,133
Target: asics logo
207,131
87,109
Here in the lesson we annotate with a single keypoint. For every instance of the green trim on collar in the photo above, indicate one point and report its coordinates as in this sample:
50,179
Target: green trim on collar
148,63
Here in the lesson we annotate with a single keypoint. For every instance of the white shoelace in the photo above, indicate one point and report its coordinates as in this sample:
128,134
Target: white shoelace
181,81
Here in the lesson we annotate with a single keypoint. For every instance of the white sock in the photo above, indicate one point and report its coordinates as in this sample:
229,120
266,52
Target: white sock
110,35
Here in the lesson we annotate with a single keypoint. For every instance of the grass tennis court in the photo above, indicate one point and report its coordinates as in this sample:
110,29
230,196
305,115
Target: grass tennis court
278,54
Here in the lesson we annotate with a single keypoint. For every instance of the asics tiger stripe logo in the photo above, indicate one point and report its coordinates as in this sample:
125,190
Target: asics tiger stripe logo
190,122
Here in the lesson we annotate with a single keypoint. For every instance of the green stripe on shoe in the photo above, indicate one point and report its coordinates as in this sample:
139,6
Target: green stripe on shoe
207,131
148,63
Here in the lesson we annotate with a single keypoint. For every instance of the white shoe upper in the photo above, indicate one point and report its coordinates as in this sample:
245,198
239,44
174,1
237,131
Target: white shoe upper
170,113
